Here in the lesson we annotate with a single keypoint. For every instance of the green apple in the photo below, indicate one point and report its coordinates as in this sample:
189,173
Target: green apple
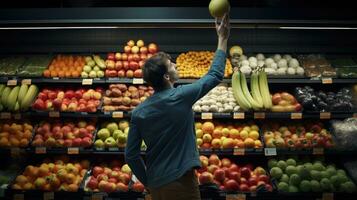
126,169
123,124
112,127
122,138
103,133
110,142
96,69
116,134
92,74
84,75
87,68
100,74
126,131
99,143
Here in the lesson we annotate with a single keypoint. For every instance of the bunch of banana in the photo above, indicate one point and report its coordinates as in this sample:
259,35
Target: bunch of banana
17,98
259,98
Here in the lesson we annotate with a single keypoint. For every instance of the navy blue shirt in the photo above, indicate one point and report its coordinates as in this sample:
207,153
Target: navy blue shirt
165,121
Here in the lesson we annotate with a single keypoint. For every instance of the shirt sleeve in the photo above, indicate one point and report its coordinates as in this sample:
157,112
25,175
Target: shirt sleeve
132,153
193,92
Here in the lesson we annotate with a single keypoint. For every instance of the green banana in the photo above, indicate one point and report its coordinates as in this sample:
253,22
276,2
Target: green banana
4,96
23,90
12,98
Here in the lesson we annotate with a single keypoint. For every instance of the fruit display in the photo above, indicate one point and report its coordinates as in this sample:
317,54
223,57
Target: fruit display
322,101
273,65
259,98
65,66
15,134
195,64
59,174
112,134
68,100
309,175
297,135
219,99
317,66
225,135
121,97
229,176
17,98
94,67
285,102
129,63
34,66
10,65
109,177
64,134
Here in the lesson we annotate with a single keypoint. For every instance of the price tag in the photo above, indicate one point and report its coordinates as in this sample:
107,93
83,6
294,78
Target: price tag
113,149
138,81
5,115
73,150
40,150
48,196
148,197
327,196
326,80
19,197
206,115
12,82
239,115
87,81
238,151
235,197
117,114
97,197
296,115
318,151
17,116
259,115
325,115
54,114
270,152
26,81
15,151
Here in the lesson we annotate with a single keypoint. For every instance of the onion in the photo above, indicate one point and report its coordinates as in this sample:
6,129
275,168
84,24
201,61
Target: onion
293,63
282,63
260,56
300,71
277,57
268,61
291,71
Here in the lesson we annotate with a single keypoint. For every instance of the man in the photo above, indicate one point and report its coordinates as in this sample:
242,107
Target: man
165,121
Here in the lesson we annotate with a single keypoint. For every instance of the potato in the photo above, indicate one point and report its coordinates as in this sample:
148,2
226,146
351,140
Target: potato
116,92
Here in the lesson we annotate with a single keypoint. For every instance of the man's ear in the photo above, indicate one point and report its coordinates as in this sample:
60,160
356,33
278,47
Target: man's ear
167,77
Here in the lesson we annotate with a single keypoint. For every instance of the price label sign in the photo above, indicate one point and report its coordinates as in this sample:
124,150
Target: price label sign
54,114
327,196
270,152
148,197
87,81
318,151
97,197
19,197
326,80
235,197
138,81
73,150
12,82
17,116
117,114
48,196
238,151
259,115
5,115
238,115
325,115
206,115
26,81
296,115
40,150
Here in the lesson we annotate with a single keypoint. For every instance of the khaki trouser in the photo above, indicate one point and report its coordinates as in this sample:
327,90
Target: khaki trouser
184,188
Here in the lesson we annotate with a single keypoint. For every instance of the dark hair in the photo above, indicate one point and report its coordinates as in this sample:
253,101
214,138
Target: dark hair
154,70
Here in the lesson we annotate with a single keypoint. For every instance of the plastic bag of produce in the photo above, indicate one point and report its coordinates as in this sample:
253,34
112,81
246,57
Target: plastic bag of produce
351,167
345,133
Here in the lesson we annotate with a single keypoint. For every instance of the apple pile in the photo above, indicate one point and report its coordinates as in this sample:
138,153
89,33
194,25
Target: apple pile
59,174
129,64
15,134
306,175
125,98
68,100
229,176
285,102
67,134
112,134
112,177
306,135
224,135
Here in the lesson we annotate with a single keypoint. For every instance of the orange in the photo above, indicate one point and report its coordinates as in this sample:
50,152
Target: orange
61,74
208,127
54,74
249,143
47,73
68,74
75,74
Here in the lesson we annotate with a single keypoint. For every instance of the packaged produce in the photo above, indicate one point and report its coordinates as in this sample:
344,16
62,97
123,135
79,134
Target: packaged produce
15,134
129,63
65,66
195,64
34,66
229,176
121,97
309,175
64,134
58,174
9,65
317,66
297,135
218,135
345,133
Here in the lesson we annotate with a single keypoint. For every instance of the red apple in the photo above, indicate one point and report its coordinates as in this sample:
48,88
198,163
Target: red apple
93,183
111,56
252,181
206,178
86,142
226,162
136,57
243,181
219,175
244,188
121,74
69,94
117,56
78,94
231,185
138,187
130,43
233,167
97,170
118,65
77,142
141,63
110,64
245,172
126,65
133,65
68,142
253,188
42,96
138,73
214,160
235,176
264,178
112,180
102,177
152,48
129,74
130,57
109,187
212,168
39,105
127,49
82,132
124,178
122,187
143,50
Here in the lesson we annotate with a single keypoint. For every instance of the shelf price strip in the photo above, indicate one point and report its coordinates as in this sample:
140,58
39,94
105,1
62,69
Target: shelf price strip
26,81
73,150
17,116
97,196
12,82
326,80
296,115
270,152
117,114
138,81
206,115
87,81
238,115
238,151
54,114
